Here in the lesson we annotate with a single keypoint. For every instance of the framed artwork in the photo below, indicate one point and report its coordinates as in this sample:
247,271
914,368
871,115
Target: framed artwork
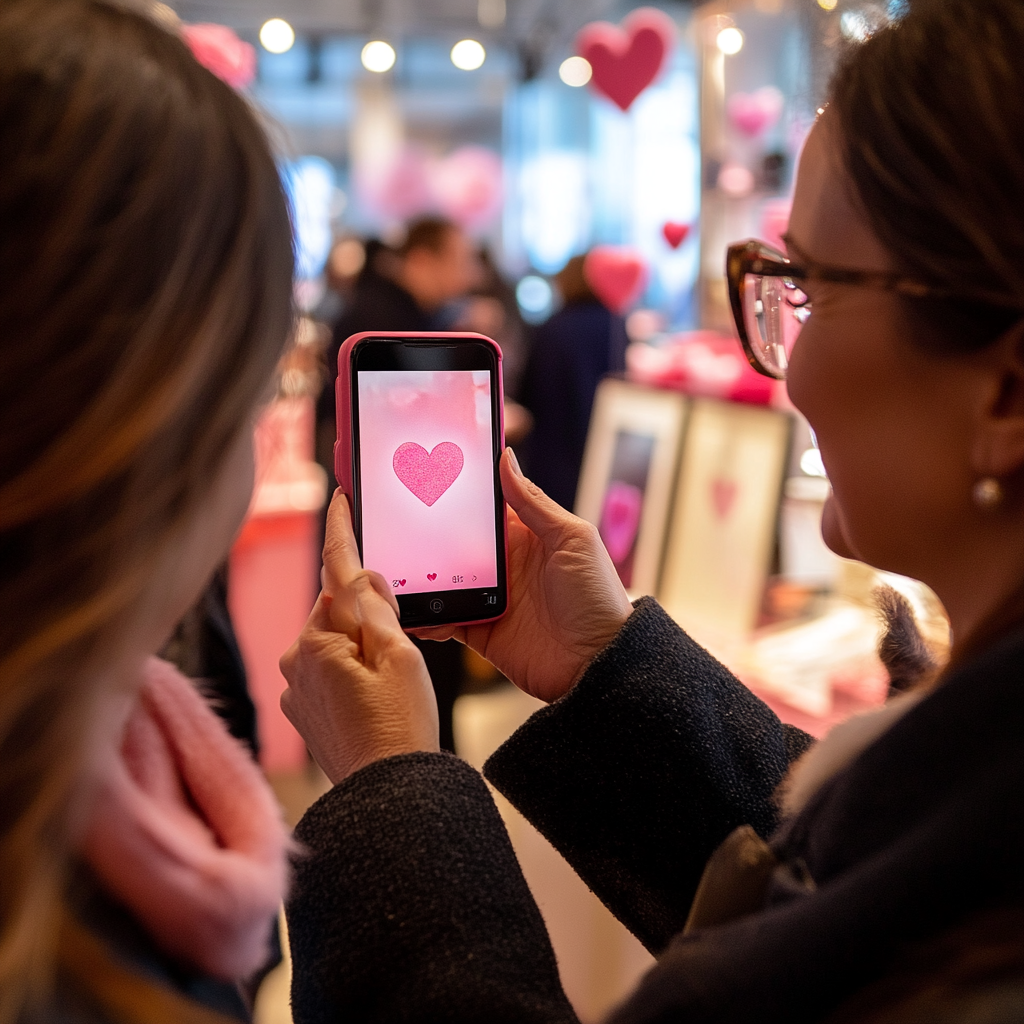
628,475
721,537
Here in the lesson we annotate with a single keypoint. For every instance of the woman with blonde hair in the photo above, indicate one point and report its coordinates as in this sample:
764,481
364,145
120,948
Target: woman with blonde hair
145,298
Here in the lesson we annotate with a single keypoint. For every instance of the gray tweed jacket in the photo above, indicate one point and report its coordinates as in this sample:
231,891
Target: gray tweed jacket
409,904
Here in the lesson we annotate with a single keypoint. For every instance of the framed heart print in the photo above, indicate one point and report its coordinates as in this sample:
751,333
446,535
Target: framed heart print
721,536
628,475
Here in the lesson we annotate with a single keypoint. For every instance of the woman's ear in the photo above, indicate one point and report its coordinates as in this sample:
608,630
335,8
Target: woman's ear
999,445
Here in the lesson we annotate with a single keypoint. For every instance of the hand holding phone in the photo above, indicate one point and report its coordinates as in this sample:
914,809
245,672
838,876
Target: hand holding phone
567,602
358,690
420,433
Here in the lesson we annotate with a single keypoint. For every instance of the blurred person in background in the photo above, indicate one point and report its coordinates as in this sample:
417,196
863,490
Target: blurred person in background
492,310
412,288
571,352
873,877
146,269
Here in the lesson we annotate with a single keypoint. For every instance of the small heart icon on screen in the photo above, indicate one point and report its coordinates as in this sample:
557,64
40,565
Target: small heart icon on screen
401,583
431,576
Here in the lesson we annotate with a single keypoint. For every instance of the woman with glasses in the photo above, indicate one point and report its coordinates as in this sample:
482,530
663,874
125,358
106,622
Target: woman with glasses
883,882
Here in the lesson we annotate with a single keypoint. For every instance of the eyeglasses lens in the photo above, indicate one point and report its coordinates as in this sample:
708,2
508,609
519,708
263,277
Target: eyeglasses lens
774,309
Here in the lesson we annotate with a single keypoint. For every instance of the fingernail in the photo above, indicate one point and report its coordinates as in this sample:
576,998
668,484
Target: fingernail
513,462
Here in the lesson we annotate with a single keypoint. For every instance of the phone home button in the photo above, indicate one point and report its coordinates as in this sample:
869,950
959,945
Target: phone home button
437,606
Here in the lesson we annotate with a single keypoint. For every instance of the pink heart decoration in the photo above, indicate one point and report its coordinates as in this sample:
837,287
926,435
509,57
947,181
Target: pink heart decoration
620,519
626,60
467,186
398,188
752,114
723,496
220,50
617,275
428,476
675,232
431,576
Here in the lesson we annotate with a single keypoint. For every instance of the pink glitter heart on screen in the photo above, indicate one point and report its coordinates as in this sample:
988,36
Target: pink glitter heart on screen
428,476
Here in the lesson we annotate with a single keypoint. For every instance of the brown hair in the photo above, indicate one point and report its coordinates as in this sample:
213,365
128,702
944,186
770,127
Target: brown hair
931,114
430,233
572,282
145,296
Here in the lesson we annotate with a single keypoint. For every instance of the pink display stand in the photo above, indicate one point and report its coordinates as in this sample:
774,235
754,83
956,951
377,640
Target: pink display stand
273,567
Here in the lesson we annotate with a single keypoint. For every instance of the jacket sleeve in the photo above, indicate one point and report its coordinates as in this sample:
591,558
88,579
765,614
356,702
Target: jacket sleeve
644,767
408,904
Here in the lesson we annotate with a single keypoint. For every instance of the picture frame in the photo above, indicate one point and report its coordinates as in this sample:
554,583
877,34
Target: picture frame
628,475
721,537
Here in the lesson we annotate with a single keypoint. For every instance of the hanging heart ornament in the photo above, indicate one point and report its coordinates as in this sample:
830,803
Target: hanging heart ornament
625,60
616,274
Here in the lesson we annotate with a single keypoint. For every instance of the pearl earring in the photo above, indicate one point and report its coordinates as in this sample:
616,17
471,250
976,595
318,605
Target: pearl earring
988,492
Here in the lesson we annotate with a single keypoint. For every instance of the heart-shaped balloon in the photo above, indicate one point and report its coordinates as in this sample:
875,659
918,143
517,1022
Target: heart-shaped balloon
428,476
626,60
675,232
616,274
467,186
752,114
398,188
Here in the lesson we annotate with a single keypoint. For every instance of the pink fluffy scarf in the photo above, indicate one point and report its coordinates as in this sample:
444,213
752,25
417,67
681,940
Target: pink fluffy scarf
187,834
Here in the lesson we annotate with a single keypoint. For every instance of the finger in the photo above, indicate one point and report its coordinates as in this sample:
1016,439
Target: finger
341,553
439,633
381,586
381,631
541,514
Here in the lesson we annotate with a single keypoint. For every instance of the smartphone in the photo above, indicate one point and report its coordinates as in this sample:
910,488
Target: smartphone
420,433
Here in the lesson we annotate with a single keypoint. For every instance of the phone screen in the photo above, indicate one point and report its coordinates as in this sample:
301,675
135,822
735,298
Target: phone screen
429,511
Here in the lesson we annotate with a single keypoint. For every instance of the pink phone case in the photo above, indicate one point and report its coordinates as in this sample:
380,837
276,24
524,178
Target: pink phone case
343,411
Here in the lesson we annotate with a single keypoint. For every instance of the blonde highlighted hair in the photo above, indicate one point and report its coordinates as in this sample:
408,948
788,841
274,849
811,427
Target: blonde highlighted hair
145,296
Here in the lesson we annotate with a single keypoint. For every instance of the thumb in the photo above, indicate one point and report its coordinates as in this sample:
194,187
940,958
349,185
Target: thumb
542,515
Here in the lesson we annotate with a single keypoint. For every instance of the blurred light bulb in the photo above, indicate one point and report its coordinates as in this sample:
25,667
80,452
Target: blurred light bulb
534,294
828,5
277,36
730,40
468,55
575,71
378,56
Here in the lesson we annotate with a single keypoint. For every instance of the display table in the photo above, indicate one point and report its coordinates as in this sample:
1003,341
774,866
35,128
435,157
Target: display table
273,569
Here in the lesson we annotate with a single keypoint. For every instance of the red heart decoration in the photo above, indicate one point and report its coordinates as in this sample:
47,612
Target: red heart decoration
626,60
401,583
616,274
723,495
431,576
675,232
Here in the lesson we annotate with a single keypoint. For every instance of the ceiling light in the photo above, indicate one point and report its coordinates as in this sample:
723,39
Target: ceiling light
575,71
730,41
468,55
277,36
828,5
490,13
378,56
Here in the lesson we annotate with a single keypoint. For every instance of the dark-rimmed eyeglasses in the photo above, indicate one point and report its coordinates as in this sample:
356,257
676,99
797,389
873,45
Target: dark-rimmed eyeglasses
769,306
